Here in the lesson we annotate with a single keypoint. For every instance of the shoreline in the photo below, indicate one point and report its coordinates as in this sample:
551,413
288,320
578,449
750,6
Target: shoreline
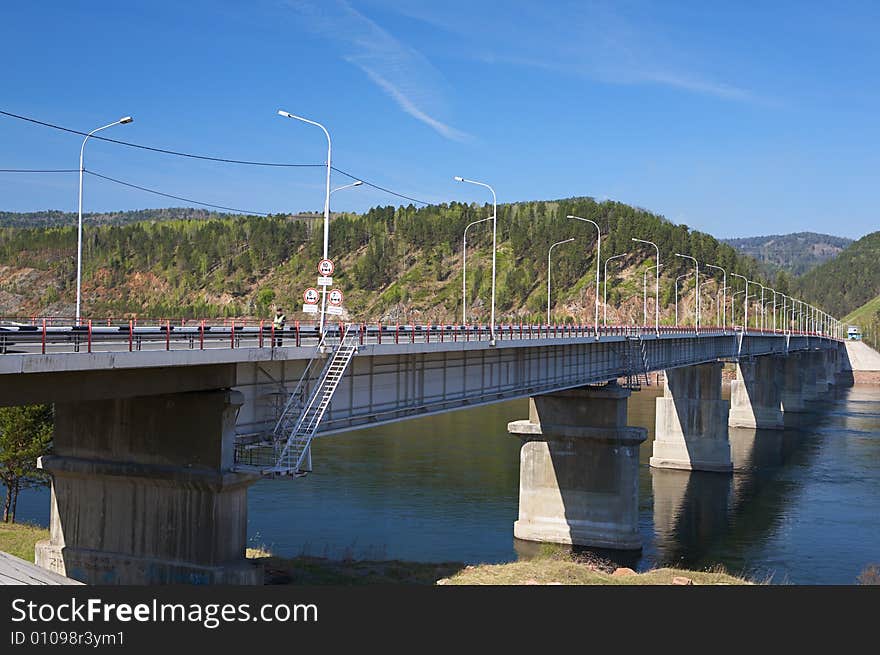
552,565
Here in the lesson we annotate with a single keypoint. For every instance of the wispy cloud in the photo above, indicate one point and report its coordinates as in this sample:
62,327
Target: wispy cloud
586,39
400,71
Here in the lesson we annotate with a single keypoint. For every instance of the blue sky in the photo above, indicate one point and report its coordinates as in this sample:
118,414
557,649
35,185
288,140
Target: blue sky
737,119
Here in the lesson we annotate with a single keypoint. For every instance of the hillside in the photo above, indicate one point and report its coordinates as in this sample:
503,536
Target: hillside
868,318
392,263
848,281
795,254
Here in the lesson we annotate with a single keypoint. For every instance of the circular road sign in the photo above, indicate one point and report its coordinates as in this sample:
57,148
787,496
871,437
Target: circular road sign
335,297
310,296
325,267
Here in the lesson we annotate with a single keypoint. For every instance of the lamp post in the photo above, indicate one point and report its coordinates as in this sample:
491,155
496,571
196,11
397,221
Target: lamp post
464,269
697,305
605,288
745,301
645,296
598,260
347,186
549,250
732,301
676,295
494,248
287,114
774,309
79,229
786,314
656,285
760,325
723,295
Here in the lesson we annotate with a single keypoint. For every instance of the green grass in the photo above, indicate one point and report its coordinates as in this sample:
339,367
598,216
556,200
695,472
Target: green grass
864,314
19,539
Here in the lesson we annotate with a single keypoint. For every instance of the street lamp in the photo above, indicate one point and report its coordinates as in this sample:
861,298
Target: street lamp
775,326
656,287
558,243
287,114
79,230
605,288
723,296
598,260
697,305
745,301
494,248
763,321
645,295
464,269
676,295
346,186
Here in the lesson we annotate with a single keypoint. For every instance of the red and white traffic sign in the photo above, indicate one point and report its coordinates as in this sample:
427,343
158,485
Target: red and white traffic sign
325,267
335,297
310,296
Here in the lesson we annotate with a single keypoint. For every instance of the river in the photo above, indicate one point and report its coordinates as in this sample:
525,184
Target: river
802,506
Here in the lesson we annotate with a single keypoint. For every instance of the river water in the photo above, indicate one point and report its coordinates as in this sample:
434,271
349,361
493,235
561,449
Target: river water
802,506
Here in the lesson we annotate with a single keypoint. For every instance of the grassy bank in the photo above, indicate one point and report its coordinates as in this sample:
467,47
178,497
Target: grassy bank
562,572
19,539
551,566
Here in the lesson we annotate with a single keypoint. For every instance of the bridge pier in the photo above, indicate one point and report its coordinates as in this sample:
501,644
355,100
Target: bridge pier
691,421
798,383
824,377
142,492
755,394
579,465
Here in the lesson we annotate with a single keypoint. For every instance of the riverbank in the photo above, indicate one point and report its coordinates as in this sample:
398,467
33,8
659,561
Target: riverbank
552,566
19,539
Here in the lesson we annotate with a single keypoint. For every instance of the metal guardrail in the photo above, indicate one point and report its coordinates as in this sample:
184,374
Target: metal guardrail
41,337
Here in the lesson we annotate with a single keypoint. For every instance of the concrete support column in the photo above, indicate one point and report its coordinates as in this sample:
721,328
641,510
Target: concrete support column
143,493
755,394
691,424
579,463
797,384
823,378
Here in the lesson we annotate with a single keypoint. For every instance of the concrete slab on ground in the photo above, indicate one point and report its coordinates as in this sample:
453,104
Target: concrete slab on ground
16,571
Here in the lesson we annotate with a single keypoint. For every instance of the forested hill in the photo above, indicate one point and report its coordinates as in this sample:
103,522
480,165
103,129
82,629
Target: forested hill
848,281
54,217
399,263
795,253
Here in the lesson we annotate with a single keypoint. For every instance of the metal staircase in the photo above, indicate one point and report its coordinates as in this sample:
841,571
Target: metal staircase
635,362
287,452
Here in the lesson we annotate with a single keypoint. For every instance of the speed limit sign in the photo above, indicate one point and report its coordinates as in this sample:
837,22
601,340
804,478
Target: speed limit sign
310,296
325,267
335,297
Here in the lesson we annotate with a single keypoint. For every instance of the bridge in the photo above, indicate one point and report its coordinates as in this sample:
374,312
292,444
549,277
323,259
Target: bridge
161,429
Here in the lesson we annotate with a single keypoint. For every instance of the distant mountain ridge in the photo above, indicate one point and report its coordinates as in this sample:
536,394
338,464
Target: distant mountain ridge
845,283
796,253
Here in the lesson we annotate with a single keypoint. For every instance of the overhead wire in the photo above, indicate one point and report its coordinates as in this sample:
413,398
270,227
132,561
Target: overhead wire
224,160
168,195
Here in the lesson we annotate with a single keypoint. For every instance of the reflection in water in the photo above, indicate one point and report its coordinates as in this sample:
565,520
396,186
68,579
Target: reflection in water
802,504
